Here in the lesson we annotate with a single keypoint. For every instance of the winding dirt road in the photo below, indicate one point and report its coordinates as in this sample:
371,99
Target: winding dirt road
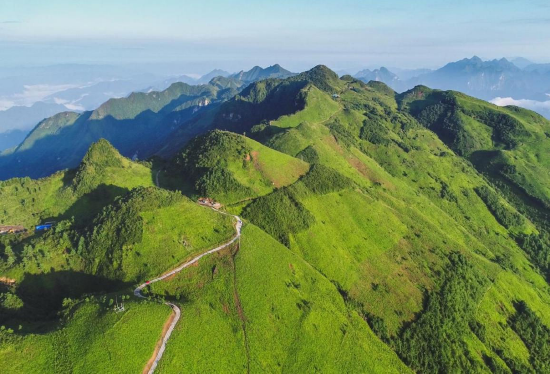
157,355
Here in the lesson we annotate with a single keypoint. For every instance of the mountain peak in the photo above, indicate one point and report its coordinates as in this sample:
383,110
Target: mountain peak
100,156
102,153
259,73
379,75
322,71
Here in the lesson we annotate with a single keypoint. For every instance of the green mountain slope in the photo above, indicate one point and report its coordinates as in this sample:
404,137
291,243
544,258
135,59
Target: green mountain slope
509,144
81,193
379,235
137,125
297,319
415,204
233,168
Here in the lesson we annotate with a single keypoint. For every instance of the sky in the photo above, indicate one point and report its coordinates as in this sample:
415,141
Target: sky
298,34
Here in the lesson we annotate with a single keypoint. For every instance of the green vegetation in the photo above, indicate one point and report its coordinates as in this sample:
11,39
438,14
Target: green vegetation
128,236
93,339
231,168
534,334
435,342
382,232
322,180
507,217
279,214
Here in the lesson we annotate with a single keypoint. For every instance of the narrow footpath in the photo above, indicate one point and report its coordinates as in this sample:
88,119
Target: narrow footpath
159,351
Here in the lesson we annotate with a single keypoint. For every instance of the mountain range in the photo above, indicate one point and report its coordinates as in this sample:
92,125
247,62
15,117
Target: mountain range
80,96
482,79
381,232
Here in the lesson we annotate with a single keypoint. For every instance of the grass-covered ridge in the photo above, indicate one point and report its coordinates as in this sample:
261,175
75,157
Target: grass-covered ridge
382,232
102,175
232,168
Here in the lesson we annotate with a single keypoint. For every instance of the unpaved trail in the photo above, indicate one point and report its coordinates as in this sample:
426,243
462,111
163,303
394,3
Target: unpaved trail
167,332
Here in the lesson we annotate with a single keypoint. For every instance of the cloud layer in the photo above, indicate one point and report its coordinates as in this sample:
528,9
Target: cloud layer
541,107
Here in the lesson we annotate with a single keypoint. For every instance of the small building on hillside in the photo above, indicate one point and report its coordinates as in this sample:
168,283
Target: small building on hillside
206,201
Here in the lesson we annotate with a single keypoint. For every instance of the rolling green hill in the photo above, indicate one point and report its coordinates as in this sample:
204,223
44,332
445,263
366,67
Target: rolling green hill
383,233
232,168
80,193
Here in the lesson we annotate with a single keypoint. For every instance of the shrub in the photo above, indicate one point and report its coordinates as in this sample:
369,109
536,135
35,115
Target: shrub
218,181
279,214
504,215
322,180
120,225
374,130
309,155
535,336
435,342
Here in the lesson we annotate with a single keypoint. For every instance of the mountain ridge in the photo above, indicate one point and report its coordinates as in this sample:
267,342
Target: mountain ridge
384,229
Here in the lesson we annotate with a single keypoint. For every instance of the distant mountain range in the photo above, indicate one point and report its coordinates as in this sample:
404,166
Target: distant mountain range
486,80
17,121
517,81
11,138
79,96
379,75
139,124
257,73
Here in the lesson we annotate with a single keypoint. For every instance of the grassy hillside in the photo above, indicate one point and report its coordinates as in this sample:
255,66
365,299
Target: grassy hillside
232,168
508,144
93,339
81,193
383,232
297,320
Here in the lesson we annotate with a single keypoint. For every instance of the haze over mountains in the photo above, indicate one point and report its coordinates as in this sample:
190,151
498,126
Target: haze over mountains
525,85
31,95
37,93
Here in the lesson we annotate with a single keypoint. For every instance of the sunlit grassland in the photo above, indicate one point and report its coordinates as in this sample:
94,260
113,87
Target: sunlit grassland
173,234
293,317
92,339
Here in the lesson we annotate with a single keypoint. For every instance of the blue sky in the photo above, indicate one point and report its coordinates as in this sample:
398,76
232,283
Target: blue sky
297,34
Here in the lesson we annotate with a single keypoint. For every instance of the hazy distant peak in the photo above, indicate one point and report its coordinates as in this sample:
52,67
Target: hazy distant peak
521,62
213,74
380,75
259,73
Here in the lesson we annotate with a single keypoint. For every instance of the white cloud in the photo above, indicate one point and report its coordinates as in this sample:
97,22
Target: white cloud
32,94
5,104
542,107
75,107
38,92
